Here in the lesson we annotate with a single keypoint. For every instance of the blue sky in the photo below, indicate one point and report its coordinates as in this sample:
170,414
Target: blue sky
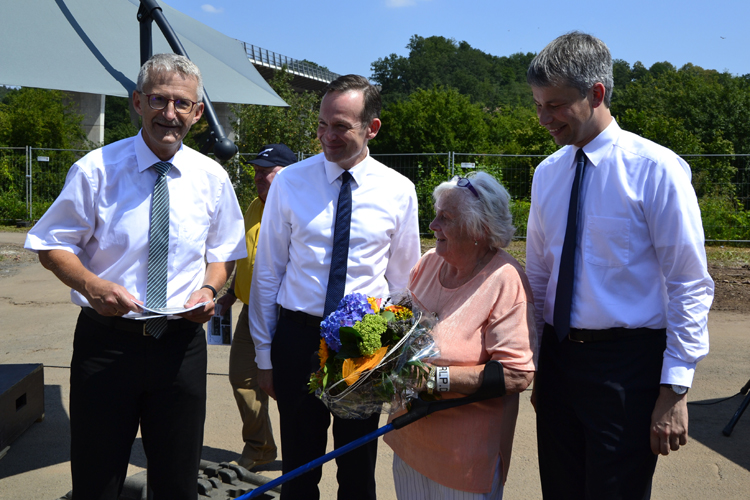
348,36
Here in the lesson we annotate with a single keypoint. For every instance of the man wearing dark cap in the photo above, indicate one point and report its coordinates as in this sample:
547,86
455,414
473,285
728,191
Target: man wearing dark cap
252,401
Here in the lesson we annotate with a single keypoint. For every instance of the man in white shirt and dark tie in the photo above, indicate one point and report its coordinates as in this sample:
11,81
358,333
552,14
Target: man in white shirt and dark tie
616,260
337,223
119,240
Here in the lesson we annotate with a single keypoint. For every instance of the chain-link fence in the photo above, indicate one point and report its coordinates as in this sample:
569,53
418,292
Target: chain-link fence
31,179
13,195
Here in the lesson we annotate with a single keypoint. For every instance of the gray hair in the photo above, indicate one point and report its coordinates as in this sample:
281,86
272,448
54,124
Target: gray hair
575,59
370,93
169,63
487,215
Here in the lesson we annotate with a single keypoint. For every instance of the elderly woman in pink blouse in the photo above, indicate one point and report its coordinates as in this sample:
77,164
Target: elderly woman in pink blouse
483,301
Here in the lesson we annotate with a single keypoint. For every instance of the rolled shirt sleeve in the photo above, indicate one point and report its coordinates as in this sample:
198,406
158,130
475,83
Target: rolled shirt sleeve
674,221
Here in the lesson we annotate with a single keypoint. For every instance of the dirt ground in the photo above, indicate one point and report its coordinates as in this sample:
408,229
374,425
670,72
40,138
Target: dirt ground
732,288
12,258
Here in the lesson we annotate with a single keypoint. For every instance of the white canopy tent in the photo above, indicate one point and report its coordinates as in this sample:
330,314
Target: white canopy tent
93,46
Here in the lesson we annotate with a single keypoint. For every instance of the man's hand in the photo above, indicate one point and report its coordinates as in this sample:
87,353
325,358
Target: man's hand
202,314
265,381
216,275
533,395
105,297
669,422
109,299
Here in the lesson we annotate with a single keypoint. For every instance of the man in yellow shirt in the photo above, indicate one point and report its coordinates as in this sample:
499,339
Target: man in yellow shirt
243,372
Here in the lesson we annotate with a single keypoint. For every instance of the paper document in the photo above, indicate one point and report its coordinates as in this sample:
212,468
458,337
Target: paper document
152,312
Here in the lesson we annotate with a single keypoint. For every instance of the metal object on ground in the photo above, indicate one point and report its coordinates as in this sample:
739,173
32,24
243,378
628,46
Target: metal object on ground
21,400
743,406
222,481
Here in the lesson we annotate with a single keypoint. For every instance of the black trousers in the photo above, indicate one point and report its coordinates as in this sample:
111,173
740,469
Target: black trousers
305,420
594,405
120,380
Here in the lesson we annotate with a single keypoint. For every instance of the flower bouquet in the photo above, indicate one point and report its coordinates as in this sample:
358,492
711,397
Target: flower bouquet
372,357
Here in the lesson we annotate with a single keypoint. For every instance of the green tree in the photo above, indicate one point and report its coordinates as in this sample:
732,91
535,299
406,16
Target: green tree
39,118
437,120
489,80
660,68
4,90
117,124
710,175
516,131
705,102
621,74
294,126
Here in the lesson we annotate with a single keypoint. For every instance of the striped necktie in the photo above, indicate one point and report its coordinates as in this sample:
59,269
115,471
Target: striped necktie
564,292
340,250
158,250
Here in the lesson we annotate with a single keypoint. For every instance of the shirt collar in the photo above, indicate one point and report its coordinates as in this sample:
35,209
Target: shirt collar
146,158
600,147
358,171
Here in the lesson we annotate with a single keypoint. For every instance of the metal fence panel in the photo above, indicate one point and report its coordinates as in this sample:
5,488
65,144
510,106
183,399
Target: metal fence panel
13,167
49,167
31,179
722,184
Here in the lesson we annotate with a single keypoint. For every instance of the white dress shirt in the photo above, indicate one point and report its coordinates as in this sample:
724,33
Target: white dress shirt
640,259
295,241
103,216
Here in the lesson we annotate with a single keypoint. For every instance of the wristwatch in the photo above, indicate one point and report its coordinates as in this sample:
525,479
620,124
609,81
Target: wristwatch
677,389
431,380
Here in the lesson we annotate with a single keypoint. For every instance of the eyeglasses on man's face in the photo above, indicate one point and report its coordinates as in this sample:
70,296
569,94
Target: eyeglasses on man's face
464,182
159,102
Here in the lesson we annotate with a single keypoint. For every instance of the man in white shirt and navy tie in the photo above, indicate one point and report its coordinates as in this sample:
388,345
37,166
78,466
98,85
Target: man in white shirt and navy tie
337,223
616,260
149,221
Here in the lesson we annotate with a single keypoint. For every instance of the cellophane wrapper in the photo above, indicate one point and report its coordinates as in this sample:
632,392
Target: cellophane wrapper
397,379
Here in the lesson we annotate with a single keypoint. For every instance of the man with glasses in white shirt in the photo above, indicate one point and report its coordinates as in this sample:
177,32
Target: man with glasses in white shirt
119,240
616,260
291,278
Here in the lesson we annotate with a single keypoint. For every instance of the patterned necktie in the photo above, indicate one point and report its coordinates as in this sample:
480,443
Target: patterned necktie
564,293
340,253
158,250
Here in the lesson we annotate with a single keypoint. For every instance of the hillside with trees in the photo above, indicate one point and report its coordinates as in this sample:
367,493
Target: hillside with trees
448,96
690,109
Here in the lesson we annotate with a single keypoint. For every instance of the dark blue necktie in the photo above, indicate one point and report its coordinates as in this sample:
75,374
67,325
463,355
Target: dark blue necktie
564,293
340,253
158,250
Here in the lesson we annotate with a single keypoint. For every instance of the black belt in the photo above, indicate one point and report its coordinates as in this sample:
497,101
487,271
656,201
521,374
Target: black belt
301,317
609,334
134,325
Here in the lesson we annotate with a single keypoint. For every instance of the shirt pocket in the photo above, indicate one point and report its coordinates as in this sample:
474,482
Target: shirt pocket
190,233
190,246
607,241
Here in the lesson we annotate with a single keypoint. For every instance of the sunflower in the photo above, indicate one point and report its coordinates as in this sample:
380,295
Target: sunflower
353,367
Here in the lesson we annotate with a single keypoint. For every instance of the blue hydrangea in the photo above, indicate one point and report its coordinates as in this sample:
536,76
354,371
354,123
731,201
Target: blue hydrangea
351,309
356,306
